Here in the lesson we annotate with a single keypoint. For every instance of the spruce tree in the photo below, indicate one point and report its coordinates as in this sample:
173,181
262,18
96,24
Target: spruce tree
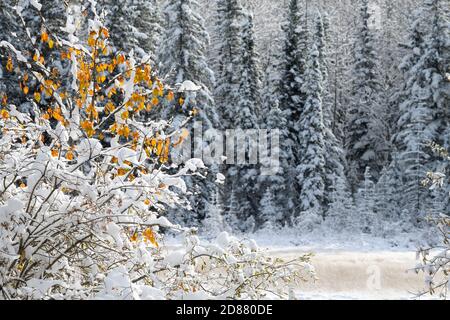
366,218
365,136
134,25
272,184
311,138
425,98
335,159
292,97
229,19
237,97
182,57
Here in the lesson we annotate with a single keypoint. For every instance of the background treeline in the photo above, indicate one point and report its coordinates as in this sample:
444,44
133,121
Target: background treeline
359,90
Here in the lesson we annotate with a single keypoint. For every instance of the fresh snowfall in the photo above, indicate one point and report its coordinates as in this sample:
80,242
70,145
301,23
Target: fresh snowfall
224,149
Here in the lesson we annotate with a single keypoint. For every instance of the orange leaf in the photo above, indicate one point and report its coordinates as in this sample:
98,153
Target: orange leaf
69,155
134,237
149,235
55,152
44,36
170,96
9,65
4,114
122,172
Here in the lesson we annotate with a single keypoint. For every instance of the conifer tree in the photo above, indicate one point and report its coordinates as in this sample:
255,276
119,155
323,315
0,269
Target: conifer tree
134,25
237,96
312,147
292,97
182,57
335,159
365,132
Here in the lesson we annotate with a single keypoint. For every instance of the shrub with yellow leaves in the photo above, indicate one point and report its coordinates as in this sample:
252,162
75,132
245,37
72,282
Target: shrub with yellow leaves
85,185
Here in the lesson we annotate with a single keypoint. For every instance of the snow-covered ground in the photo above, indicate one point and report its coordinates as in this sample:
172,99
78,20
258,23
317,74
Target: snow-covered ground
358,274
352,266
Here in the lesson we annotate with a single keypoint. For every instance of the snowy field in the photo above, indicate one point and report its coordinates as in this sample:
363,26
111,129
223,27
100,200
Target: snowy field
358,274
352,267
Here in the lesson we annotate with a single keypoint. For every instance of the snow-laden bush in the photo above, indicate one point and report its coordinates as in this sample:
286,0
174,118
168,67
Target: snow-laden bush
434,261
84,184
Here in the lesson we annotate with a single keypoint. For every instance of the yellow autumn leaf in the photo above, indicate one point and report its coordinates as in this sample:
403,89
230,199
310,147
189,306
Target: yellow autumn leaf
134,237
9,64
149,235
125,115
69,155
159,147
155,101
122,172
37,96
4,114
170,96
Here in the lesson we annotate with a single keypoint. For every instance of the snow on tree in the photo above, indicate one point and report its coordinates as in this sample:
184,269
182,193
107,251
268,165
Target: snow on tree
388,192
182,55
250,90
229,19
8,24
366,218
292,98
275,192
134,25
183,58
214,222
237,97
365,129
334,161
434,261
341,216
422,111
311,138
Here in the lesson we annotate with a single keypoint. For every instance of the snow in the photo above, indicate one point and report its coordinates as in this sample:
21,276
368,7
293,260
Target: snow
188,86
18,54
360,275
36,4
220,178
175,258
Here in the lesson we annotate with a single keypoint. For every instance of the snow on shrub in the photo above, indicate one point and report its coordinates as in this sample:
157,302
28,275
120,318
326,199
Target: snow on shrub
84,183
434,261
